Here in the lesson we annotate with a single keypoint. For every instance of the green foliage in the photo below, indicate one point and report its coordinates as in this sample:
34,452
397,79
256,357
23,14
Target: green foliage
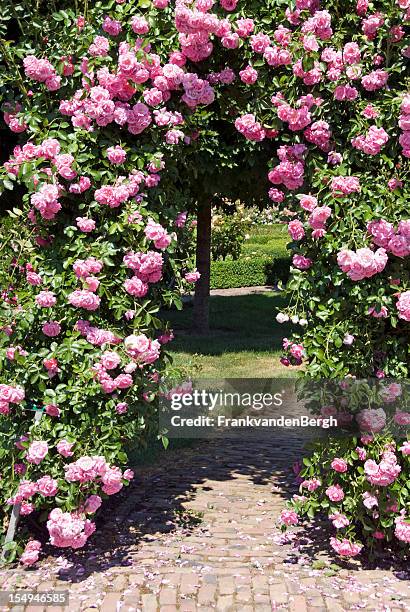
249,272
264,260
229,229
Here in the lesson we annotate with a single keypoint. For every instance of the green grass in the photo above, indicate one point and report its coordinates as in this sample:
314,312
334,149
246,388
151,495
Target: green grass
269,240
245,340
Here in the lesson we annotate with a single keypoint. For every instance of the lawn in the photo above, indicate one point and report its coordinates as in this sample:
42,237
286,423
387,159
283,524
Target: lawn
245,340
269,240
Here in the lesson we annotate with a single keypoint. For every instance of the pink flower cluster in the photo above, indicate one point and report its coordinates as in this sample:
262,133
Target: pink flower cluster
405,449
250,128
296,118
375,80
319,25
31,553
36,452
45,200
155,231
111,26
109,361
96,469
335,493
115,195
10,395
402,529
339,465
147,269
142,349
385,236
372,143
192,277
116,155
364,263
344,185
95,335
196,91
296,229
290,170
99,46
85,224
51,329
15,124
86,298
295,351
318,219
300,262
64,448
289,517
248,75
69,529
345,547
85,268
319,133
41,70
404,124
339,520
371,24
197,24
384,473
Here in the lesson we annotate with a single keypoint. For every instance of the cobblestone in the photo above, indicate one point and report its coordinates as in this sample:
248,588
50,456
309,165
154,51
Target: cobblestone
157,554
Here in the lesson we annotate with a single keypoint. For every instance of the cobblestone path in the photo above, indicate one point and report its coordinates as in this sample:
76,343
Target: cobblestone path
198,532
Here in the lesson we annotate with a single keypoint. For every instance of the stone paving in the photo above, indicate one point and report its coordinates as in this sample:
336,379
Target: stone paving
198,532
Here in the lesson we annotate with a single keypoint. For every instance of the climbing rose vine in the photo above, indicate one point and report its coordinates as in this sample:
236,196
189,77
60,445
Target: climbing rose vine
329,82
102,103
94,250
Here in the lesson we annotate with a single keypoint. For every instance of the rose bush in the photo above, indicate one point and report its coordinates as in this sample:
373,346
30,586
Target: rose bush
358,480
96,248
327,84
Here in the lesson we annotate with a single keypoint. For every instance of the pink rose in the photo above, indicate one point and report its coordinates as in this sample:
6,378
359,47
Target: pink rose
36,452
52,329
31,553
64,448
47,486
345,547
110,360
339,465
192,277
52,410
121,408
289,517
85,224
92,504
46,299
116,155
335,493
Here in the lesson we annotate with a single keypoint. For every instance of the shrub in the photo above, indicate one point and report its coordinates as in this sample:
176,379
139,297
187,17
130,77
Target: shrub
358,478
249,273
327,87
87,261
229,227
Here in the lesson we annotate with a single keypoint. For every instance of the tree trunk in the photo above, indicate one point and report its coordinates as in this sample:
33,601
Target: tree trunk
200,322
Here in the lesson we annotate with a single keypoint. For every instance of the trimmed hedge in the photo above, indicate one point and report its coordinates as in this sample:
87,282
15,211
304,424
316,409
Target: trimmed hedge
249,273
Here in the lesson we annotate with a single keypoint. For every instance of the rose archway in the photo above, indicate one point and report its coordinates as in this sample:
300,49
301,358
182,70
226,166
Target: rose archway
111,107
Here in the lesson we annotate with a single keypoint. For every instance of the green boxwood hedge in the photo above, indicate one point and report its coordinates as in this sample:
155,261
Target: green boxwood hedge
249,272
